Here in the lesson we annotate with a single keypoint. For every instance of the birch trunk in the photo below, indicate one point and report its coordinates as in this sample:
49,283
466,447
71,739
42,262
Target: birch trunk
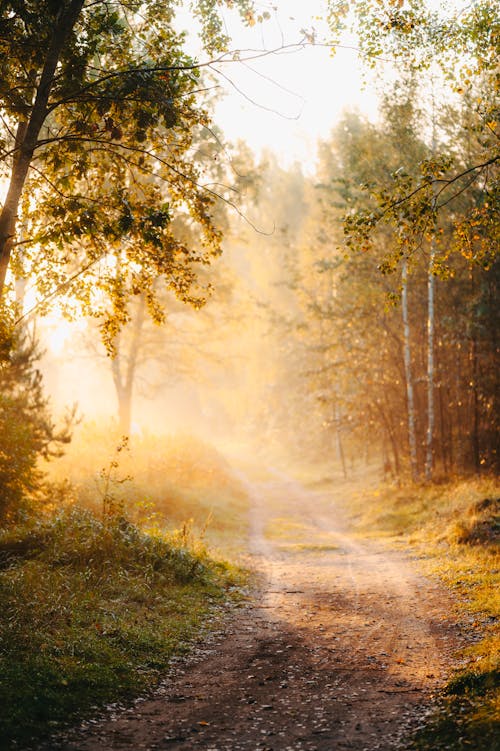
412,441
429,447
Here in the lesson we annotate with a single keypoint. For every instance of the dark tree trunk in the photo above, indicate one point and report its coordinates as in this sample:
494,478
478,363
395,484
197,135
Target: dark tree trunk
476,454
27,134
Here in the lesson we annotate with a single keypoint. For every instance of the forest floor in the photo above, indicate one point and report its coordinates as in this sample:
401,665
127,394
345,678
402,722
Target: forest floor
340,646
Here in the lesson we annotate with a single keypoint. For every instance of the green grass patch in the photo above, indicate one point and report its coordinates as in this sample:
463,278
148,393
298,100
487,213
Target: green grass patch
467,715
92,612
285,528
293,536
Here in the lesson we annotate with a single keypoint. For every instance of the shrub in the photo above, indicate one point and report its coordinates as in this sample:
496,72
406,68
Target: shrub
27,431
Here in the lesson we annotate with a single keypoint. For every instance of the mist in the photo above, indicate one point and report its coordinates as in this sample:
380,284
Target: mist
249,411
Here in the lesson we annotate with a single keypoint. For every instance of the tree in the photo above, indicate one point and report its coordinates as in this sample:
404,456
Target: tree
378,384
412,436
28,432
149,359
138,342
449,202
458,53
99,106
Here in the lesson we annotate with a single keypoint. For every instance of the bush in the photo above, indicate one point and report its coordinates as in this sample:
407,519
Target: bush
27,431
158,481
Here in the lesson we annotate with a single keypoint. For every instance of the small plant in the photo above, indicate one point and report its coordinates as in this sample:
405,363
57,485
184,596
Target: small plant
113,506
168,479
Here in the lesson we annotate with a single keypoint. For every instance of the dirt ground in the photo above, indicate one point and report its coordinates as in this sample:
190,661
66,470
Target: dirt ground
341,648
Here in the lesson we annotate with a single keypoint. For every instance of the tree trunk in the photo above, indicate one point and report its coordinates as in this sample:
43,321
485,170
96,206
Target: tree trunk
431,281
476,455
27,133
451,445
8,215
338,440
412,440
124,368
442,426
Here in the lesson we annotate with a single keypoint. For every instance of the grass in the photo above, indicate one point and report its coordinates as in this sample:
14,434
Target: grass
286,529
311,547
293,535
467,715
454,529
161,481
92,611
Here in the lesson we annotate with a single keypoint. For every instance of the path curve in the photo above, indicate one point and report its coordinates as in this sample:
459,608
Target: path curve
342,647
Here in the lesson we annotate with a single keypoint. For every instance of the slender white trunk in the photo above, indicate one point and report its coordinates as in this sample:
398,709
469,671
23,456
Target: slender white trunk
431,283
429,463
412,440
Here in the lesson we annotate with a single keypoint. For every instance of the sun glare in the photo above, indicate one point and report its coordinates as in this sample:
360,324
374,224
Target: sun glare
60,331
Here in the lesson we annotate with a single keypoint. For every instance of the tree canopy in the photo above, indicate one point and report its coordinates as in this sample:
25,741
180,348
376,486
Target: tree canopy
451,53
101,112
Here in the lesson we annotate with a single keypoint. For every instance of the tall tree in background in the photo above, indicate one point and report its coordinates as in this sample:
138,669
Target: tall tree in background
451,201
412,435
460,53
378,363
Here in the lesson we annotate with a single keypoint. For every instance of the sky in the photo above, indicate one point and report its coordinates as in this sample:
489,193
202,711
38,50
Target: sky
286,101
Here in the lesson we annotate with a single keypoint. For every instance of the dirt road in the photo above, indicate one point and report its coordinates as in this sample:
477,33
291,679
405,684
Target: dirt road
340,649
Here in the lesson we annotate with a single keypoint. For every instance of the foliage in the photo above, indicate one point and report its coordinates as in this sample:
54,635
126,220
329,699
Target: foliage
101,112
28,432
454,57
159,482
466,717
92,612
354,323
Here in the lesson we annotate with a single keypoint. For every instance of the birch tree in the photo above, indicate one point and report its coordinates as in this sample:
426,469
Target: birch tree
99,105
412,437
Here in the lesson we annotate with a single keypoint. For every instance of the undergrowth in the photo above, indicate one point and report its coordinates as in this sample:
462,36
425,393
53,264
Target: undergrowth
91,611
170,479
467,715
455,530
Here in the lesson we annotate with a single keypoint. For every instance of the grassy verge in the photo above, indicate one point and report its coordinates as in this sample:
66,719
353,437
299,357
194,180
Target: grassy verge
454,529
160,481
91,612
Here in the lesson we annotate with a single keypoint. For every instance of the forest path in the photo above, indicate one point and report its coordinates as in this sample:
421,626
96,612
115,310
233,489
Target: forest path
343,644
